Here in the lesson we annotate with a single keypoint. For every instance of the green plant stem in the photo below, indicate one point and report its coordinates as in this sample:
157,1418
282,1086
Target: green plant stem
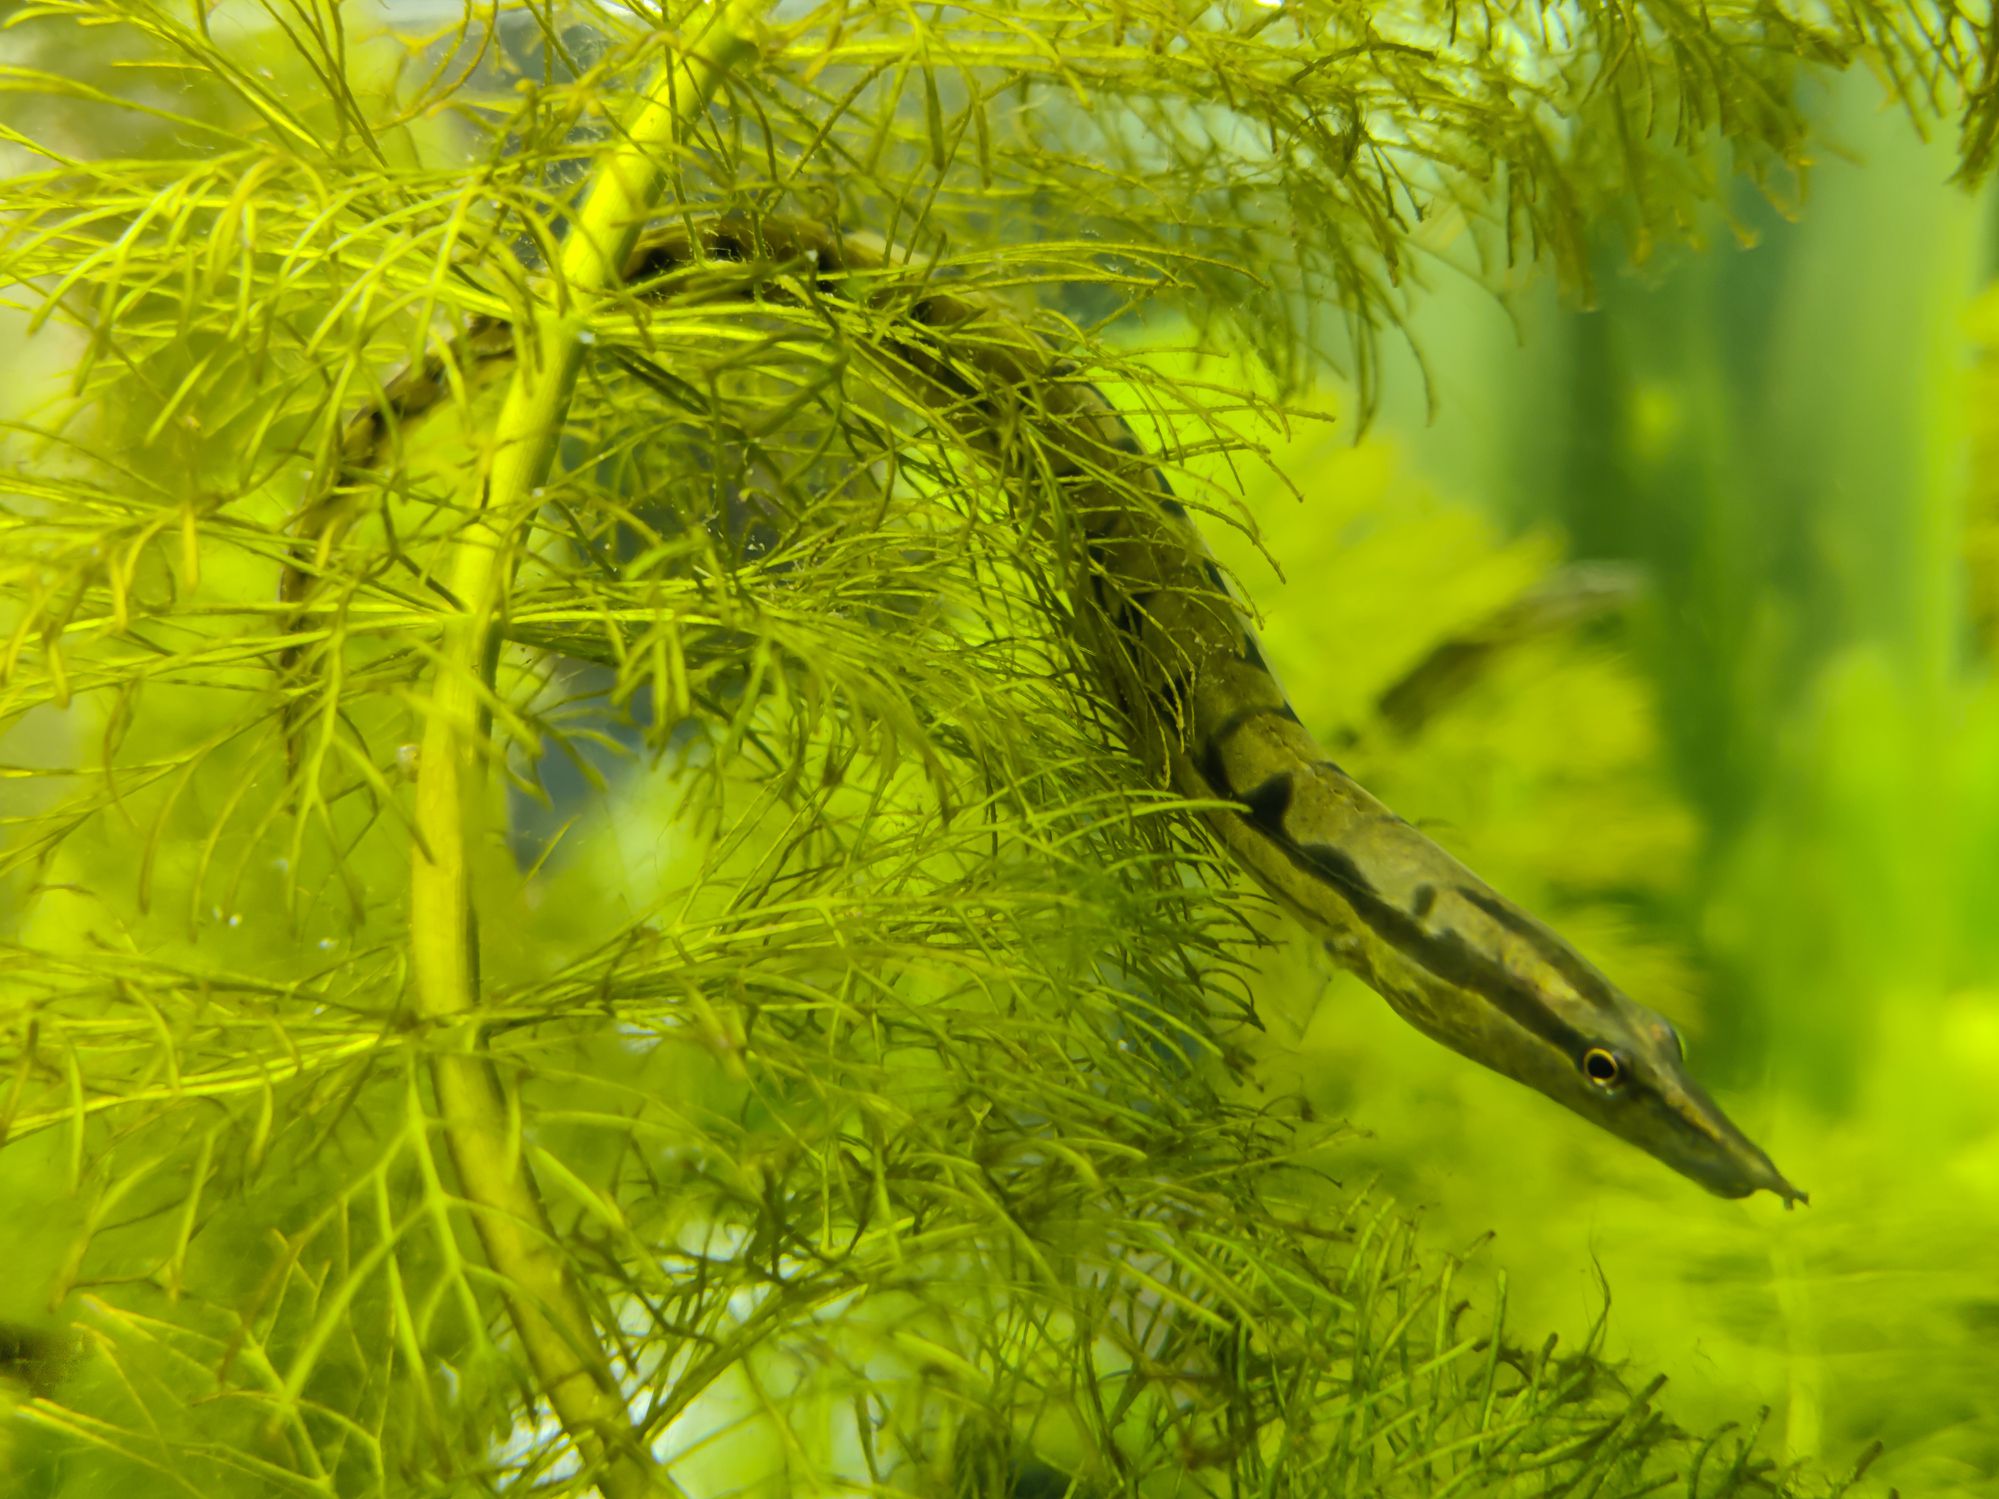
548,1310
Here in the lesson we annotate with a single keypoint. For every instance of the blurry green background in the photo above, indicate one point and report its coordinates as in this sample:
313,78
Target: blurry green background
1765,795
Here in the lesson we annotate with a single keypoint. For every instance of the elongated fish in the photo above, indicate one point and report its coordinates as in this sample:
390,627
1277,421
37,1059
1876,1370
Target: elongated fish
1170,645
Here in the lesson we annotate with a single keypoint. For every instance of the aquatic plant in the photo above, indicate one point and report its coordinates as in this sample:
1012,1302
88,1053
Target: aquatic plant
837,1085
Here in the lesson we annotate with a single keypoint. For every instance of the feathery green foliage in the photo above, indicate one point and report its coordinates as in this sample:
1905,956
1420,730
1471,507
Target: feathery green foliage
849,1036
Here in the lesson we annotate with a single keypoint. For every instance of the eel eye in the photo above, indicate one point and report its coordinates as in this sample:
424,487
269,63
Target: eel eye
1602,1067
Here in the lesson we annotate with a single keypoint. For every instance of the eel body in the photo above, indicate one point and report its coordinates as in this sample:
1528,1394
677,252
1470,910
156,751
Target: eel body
1172,648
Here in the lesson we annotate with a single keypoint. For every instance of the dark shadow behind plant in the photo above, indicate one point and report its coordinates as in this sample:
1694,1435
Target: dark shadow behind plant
858,1022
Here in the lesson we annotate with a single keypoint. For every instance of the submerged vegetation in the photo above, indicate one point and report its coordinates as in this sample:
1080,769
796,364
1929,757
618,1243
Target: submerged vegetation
648,968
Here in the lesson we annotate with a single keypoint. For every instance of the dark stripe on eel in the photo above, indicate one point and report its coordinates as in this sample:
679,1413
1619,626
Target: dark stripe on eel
1557,954
1445,954
1212,770
1268,802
